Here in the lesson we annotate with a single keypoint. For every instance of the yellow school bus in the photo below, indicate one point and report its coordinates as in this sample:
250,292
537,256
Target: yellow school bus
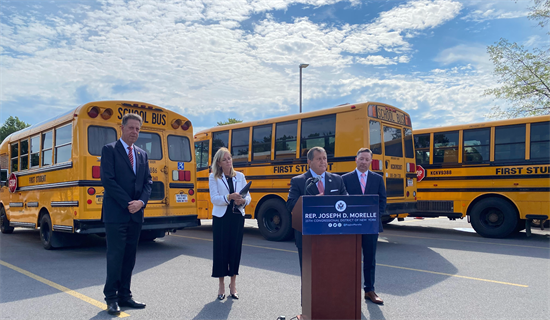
51,178
495,173
272,151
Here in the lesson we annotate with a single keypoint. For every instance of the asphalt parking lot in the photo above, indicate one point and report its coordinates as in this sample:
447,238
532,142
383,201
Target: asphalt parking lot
427,269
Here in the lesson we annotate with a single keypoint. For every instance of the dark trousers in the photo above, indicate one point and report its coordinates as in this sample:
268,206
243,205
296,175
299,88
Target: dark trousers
228,241
368,243
122,241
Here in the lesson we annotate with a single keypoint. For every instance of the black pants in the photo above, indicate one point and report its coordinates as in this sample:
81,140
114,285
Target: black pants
122,242
228,242
368,243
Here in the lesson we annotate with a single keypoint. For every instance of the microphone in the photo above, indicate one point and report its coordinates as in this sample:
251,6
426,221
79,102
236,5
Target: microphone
312,181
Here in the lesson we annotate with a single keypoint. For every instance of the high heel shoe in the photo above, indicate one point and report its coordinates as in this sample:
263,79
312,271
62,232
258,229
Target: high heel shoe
233,295
221,296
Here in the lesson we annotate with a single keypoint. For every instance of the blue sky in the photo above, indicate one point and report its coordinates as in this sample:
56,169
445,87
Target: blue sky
214,59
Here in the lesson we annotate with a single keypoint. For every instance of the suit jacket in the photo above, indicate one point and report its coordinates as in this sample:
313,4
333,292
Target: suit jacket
121,184
219,189
375,185
334,185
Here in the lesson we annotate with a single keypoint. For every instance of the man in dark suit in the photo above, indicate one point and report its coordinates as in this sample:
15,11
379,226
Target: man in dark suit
363,181
327,184
127,181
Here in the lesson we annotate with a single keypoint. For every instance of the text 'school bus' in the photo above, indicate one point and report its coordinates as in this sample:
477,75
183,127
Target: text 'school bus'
495,173
272,151
53,172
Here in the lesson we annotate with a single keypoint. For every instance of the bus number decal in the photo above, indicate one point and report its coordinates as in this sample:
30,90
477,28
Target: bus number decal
156,118
153,169
41,178
440,172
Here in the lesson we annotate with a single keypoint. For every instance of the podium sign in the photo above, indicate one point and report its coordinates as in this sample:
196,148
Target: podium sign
357,214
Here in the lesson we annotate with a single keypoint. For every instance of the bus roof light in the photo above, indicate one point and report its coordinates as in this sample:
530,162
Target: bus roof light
353,107
93,112
186,125
176,123
106,115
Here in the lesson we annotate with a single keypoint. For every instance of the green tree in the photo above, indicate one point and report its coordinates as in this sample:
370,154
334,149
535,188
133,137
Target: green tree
524,76
10,126
229,121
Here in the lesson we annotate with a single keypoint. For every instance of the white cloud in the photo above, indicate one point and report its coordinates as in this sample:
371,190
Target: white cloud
496,9
466,54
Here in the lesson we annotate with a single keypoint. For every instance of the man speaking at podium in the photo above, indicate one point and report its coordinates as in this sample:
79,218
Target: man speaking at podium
316,181
362,181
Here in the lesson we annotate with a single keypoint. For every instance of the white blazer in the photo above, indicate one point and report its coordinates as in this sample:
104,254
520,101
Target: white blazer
219,189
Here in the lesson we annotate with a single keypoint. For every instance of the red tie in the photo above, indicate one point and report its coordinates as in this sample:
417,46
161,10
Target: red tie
320,187
131,156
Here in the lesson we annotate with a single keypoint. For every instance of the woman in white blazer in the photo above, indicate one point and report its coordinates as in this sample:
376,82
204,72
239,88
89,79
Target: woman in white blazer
228,219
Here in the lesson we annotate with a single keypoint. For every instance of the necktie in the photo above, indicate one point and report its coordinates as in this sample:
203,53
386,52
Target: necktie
320,187
363,182
131,157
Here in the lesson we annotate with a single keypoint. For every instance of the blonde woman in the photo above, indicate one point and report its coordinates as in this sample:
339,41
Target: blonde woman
228,220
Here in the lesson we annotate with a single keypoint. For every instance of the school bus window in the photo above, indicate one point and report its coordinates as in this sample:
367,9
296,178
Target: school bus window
157,191
510,142
179,148
318,131
540,140
422,147
98,137
35,151
47,143
24,155
409,150
261,143
239,145
286,134
393,145
63,137
14,157
3,175
201,154
219,140
446,147
375,137
476,145
150,142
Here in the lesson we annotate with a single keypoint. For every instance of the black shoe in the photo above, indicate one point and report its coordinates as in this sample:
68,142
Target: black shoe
132,304
221,296
112,308
233,295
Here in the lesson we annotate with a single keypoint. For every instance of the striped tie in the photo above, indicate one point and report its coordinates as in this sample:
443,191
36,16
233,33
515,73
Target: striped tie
363,182
131,156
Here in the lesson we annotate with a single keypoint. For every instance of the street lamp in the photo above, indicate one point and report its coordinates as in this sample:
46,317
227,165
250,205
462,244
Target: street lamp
302,66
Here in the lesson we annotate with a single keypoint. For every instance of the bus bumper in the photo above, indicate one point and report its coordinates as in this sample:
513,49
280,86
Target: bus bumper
151,223
435,208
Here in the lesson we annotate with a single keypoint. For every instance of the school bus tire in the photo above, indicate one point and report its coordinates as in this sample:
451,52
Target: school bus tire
5,223
274,220
46,232
494,218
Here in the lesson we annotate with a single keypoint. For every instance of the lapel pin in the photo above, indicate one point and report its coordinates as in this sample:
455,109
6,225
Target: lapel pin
329,180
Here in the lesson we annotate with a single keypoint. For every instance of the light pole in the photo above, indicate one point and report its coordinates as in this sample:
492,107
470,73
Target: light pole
302,66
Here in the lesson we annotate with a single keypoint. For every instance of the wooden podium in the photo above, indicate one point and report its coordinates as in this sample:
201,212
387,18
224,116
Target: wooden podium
331,273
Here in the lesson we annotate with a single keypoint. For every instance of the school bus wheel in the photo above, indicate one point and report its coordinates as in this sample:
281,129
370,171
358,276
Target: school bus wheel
274,220
5,223
46,231
494,218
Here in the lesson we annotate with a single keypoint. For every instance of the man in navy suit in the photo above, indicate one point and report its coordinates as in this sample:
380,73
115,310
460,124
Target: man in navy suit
363,181
327,184
127,181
